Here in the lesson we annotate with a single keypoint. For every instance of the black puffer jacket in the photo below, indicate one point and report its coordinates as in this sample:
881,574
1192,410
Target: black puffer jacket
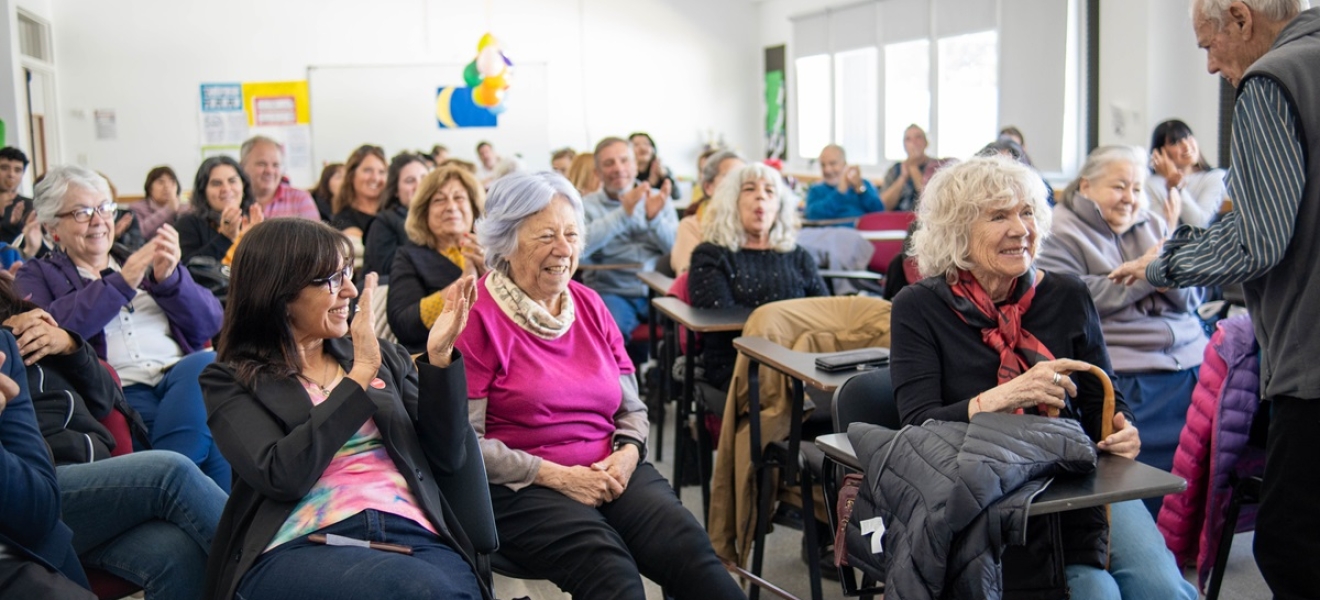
953,498
71,393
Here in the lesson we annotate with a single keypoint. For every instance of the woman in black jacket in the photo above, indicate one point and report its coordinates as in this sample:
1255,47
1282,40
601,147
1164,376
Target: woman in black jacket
989,332
223,207
388,233
443,249
333,437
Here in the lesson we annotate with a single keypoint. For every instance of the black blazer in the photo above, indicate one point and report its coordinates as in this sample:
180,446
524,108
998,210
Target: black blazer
279,445
386,236
418,272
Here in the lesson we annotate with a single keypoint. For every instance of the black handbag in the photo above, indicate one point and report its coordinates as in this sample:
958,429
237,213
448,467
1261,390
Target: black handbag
210,274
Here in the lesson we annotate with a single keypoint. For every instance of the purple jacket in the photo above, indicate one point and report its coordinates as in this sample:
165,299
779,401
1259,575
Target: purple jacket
1213,445
86,307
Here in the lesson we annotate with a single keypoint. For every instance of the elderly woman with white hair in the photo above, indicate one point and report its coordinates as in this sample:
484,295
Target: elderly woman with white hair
750,257
987,331
1155,340
563,432
142,314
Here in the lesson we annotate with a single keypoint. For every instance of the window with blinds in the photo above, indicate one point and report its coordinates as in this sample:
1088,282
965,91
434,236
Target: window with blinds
34,38
960,69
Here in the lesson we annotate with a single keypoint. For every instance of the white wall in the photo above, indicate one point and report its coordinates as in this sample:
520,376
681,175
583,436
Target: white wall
671,67
1152,71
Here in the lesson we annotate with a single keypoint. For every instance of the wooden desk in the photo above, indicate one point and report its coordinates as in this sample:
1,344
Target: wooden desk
1115,479
829,275
883,235
800,367
695,320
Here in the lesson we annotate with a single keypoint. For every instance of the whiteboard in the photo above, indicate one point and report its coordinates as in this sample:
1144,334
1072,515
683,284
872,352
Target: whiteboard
393,106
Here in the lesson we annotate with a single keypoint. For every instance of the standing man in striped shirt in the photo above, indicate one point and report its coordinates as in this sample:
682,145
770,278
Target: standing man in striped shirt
1269,50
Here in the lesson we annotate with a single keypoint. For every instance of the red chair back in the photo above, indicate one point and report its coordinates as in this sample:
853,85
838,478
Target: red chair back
885,250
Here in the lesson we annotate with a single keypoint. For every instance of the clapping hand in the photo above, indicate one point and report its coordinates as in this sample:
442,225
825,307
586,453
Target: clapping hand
473,254
165,257
655,200
444,332
366,348
122,224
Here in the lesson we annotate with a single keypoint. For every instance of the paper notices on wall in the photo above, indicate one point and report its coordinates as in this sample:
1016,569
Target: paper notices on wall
280,110
233,112
223,121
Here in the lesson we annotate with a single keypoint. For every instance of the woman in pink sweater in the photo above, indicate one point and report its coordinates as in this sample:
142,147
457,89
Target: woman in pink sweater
563,432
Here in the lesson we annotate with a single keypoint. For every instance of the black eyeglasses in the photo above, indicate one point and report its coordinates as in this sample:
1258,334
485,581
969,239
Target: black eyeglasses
84,214
335,282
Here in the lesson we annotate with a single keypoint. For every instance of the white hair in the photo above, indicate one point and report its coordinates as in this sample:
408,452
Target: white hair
722,225
1275,10
957,195
49,195
1098,161
510,201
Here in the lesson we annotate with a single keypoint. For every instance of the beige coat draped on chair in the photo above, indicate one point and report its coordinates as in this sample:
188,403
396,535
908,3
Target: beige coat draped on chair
806,325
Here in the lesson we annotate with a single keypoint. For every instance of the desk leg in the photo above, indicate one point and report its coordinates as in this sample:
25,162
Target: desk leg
665,362
763,500
804,488
690,408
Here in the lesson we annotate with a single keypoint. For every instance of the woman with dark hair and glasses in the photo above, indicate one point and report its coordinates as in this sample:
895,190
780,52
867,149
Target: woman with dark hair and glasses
223,207
1180,174
141,312
333,434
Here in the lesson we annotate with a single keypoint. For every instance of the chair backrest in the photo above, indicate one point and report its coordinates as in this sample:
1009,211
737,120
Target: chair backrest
866,398
468,494
885,250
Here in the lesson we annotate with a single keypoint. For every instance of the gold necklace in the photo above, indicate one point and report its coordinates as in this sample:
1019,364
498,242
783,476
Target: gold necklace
325,388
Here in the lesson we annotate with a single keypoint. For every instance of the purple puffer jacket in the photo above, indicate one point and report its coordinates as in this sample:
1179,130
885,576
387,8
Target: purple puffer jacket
86,306
1213,444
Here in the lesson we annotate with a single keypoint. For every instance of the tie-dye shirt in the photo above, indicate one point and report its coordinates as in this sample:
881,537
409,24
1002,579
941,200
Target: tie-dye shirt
361,476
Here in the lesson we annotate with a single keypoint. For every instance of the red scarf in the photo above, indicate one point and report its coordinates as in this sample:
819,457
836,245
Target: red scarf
1001,325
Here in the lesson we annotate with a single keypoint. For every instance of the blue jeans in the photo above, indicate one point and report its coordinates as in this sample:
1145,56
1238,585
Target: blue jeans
299,569
176,416
147,517
628,312
1140,566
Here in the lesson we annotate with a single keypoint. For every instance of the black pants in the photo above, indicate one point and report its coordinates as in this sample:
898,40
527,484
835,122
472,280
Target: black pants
602,552
1288,523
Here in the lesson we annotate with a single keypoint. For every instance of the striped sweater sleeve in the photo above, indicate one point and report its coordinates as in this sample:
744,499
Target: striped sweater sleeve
1265,182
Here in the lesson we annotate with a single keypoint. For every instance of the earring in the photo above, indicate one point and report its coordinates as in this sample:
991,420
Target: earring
56,238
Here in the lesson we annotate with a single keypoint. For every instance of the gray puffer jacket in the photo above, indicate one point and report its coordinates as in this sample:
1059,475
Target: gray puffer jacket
953,497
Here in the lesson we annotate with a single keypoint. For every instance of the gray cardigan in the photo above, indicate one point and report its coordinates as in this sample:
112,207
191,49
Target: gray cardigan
1145,329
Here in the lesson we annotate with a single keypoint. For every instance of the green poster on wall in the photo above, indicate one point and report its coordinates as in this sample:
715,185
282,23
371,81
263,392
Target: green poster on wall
776,95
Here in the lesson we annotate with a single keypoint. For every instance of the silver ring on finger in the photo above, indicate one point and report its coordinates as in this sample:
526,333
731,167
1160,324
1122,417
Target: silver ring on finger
1056,378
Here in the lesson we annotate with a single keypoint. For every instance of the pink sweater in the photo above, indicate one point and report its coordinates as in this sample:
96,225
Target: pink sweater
554,399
